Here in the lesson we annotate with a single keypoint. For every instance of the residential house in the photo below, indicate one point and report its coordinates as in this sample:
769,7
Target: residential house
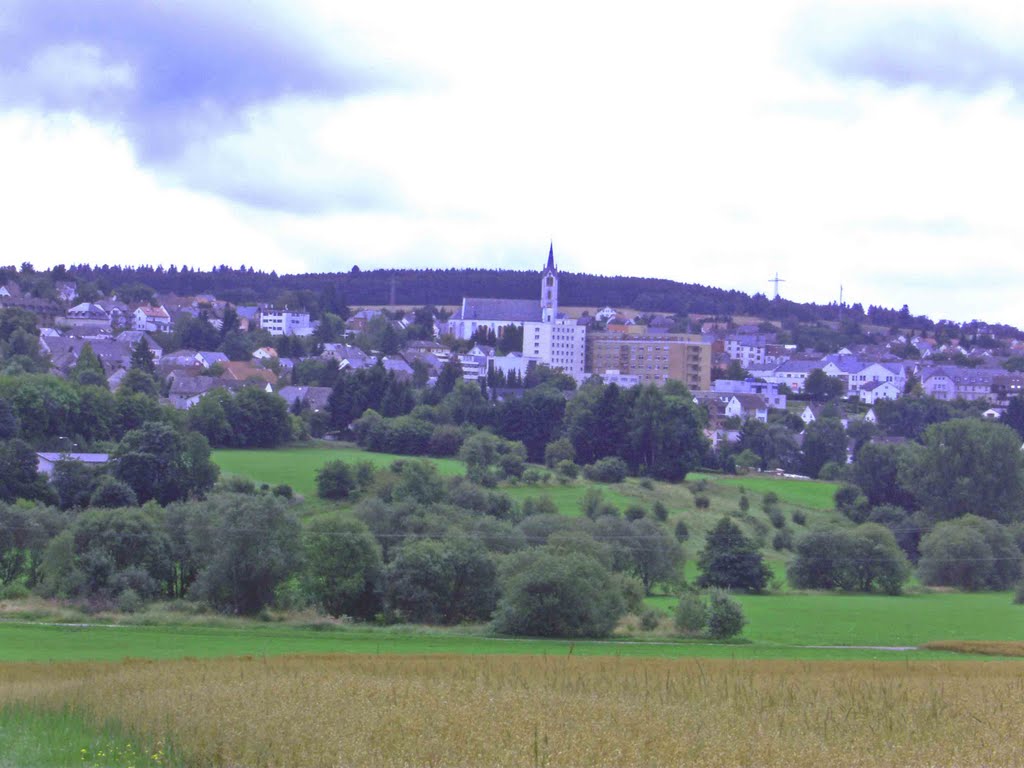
152,319
134,337
813,412
66,290
315,397
435,348
86,316
769,392
265,353
209,359
357,322
399,367
245,371
873,391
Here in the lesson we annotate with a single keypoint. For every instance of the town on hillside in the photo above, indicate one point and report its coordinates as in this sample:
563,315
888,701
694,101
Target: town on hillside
736,369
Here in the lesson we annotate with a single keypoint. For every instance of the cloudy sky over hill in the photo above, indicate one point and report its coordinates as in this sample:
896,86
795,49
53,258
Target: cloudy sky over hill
876,146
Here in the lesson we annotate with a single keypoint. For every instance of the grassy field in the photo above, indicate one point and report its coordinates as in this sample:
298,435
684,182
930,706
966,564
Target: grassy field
554,711
836,619
807,494
58,738
297,465
42,642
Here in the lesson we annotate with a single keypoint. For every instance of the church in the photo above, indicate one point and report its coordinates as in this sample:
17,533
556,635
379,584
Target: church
549,337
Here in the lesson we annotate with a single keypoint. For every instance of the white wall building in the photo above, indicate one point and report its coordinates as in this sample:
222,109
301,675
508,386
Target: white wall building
284,322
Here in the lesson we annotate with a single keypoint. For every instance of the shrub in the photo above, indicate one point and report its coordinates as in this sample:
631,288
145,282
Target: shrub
831,470
548,595
691,615
682,532
650,619
113,493
558,451
725,615
699,486
284,491
971,553
701,501
769,499
660,512
15,591
335,480
610,469
568,469
635,512
1018,593
863,559
799,518
783,539
534,476
852,502
777,518
744,503
445,440
129,601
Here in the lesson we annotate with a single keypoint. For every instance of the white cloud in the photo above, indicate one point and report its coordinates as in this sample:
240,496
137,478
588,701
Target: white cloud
671,140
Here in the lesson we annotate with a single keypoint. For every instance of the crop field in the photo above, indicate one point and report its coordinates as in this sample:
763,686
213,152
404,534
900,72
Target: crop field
359,710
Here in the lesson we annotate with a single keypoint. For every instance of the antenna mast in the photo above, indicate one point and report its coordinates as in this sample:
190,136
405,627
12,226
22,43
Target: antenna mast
776,280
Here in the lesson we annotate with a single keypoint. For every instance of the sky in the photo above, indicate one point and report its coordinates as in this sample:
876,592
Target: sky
877,146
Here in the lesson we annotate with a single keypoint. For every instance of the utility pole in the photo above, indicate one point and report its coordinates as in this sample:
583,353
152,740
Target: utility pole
776,280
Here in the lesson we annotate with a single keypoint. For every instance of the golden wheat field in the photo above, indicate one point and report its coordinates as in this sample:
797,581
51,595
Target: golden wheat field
530,711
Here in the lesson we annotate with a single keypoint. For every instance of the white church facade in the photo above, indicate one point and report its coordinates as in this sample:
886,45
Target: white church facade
549,337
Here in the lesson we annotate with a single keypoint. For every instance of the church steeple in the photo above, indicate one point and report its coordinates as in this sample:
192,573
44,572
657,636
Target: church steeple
549,289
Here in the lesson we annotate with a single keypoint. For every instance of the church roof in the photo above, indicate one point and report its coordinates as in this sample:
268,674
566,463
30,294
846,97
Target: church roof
500,310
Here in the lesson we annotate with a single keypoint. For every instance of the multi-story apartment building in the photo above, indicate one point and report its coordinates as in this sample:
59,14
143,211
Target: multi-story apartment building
284,322
653,357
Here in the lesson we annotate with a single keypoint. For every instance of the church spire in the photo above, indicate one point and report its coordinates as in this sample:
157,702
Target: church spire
551,258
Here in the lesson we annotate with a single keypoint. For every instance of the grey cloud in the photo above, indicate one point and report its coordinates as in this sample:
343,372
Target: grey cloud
901,48
177,74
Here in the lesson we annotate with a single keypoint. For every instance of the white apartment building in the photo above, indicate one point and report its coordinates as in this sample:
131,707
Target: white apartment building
284,322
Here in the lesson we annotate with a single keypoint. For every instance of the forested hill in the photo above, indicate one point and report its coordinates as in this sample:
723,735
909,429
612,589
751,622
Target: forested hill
448,286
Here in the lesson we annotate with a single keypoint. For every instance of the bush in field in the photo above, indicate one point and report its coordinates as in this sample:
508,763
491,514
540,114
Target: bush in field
558,451
110,492
650,619
971,553
442,582
343,568
682,532
490,458
691,617
335,480
610,469
568,469
660,512
864,559
564,595
725,616
701,501
254,544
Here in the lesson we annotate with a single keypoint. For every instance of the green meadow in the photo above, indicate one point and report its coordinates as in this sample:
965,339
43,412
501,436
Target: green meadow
296,466
43,642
